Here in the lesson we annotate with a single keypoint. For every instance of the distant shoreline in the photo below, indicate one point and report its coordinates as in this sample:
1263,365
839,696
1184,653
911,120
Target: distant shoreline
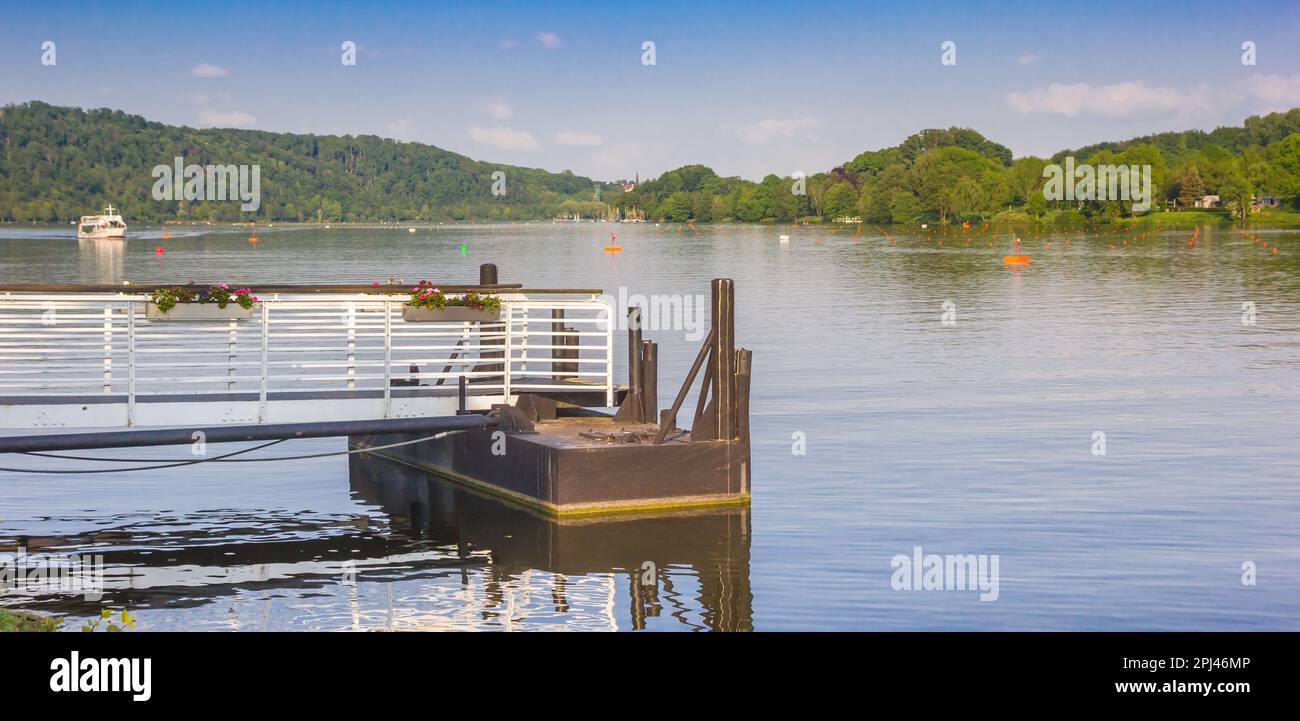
1169,219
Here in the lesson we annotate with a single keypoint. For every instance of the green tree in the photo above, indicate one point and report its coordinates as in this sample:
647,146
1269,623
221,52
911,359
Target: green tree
1191,189
1284,167
840,201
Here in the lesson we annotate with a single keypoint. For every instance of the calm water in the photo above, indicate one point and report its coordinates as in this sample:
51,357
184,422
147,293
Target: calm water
970,438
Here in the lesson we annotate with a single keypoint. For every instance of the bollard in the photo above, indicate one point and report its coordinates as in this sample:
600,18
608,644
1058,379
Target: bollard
649,382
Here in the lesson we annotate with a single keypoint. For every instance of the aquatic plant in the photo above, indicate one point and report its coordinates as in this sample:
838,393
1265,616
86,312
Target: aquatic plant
106,616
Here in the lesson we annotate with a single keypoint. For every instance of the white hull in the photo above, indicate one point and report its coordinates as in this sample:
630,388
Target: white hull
101,227
105,234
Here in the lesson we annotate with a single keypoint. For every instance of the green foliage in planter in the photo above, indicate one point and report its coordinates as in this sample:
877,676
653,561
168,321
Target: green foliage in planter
221,294
425,295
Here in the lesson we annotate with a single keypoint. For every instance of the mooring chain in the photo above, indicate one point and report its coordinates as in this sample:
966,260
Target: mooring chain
225,458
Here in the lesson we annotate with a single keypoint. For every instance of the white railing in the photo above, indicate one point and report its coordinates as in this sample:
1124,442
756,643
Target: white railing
101,347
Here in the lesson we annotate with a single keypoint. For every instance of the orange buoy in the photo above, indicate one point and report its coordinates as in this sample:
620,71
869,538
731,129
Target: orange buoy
158,250
1016,259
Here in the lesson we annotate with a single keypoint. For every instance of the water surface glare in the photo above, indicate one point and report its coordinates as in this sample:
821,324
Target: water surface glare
969,437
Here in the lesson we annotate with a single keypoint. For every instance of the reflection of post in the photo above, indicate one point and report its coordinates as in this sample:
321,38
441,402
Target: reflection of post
725,592
637,600
713,544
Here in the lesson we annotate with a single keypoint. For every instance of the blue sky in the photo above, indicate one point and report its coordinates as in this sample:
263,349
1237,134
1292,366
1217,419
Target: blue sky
746,88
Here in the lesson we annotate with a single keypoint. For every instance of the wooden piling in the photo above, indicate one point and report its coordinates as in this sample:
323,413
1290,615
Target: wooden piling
649,382
723,358
487,276
631,410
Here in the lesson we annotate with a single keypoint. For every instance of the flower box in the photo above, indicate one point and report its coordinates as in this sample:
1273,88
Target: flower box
449,314
199,311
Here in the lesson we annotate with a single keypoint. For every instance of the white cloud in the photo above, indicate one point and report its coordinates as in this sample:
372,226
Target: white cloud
765,130
550,41
578,140
1027,59
509,44
504,138
232,119
497,109
400,129
1278,91
1112,101
204,70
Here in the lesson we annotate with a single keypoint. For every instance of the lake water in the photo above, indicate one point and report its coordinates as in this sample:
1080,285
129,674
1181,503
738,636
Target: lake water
975,436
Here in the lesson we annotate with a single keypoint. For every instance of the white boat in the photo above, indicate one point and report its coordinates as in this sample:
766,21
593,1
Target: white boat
101,227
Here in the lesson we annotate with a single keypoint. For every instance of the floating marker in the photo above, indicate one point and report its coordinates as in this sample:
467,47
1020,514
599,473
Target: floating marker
158,250
1016,259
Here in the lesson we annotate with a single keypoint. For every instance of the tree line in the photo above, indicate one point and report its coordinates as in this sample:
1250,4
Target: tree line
57,163
957,174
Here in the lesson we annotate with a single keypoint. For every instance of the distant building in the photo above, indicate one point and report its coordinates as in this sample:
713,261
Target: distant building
1267,201
1207,201
630,184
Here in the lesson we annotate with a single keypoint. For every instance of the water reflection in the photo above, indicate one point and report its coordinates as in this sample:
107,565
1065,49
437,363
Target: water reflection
644,557
426,556
101,261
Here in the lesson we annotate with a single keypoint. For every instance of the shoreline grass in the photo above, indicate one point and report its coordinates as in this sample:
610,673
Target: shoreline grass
15,621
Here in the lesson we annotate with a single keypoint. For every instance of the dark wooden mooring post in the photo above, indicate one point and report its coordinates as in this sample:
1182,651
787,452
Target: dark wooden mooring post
744,361
560,371
630,411
649,382
723,358
487,276
634,352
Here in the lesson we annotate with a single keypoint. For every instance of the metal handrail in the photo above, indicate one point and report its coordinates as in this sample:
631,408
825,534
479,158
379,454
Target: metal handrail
85,344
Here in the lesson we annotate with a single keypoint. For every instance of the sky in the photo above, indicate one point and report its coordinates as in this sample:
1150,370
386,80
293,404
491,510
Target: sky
747,88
